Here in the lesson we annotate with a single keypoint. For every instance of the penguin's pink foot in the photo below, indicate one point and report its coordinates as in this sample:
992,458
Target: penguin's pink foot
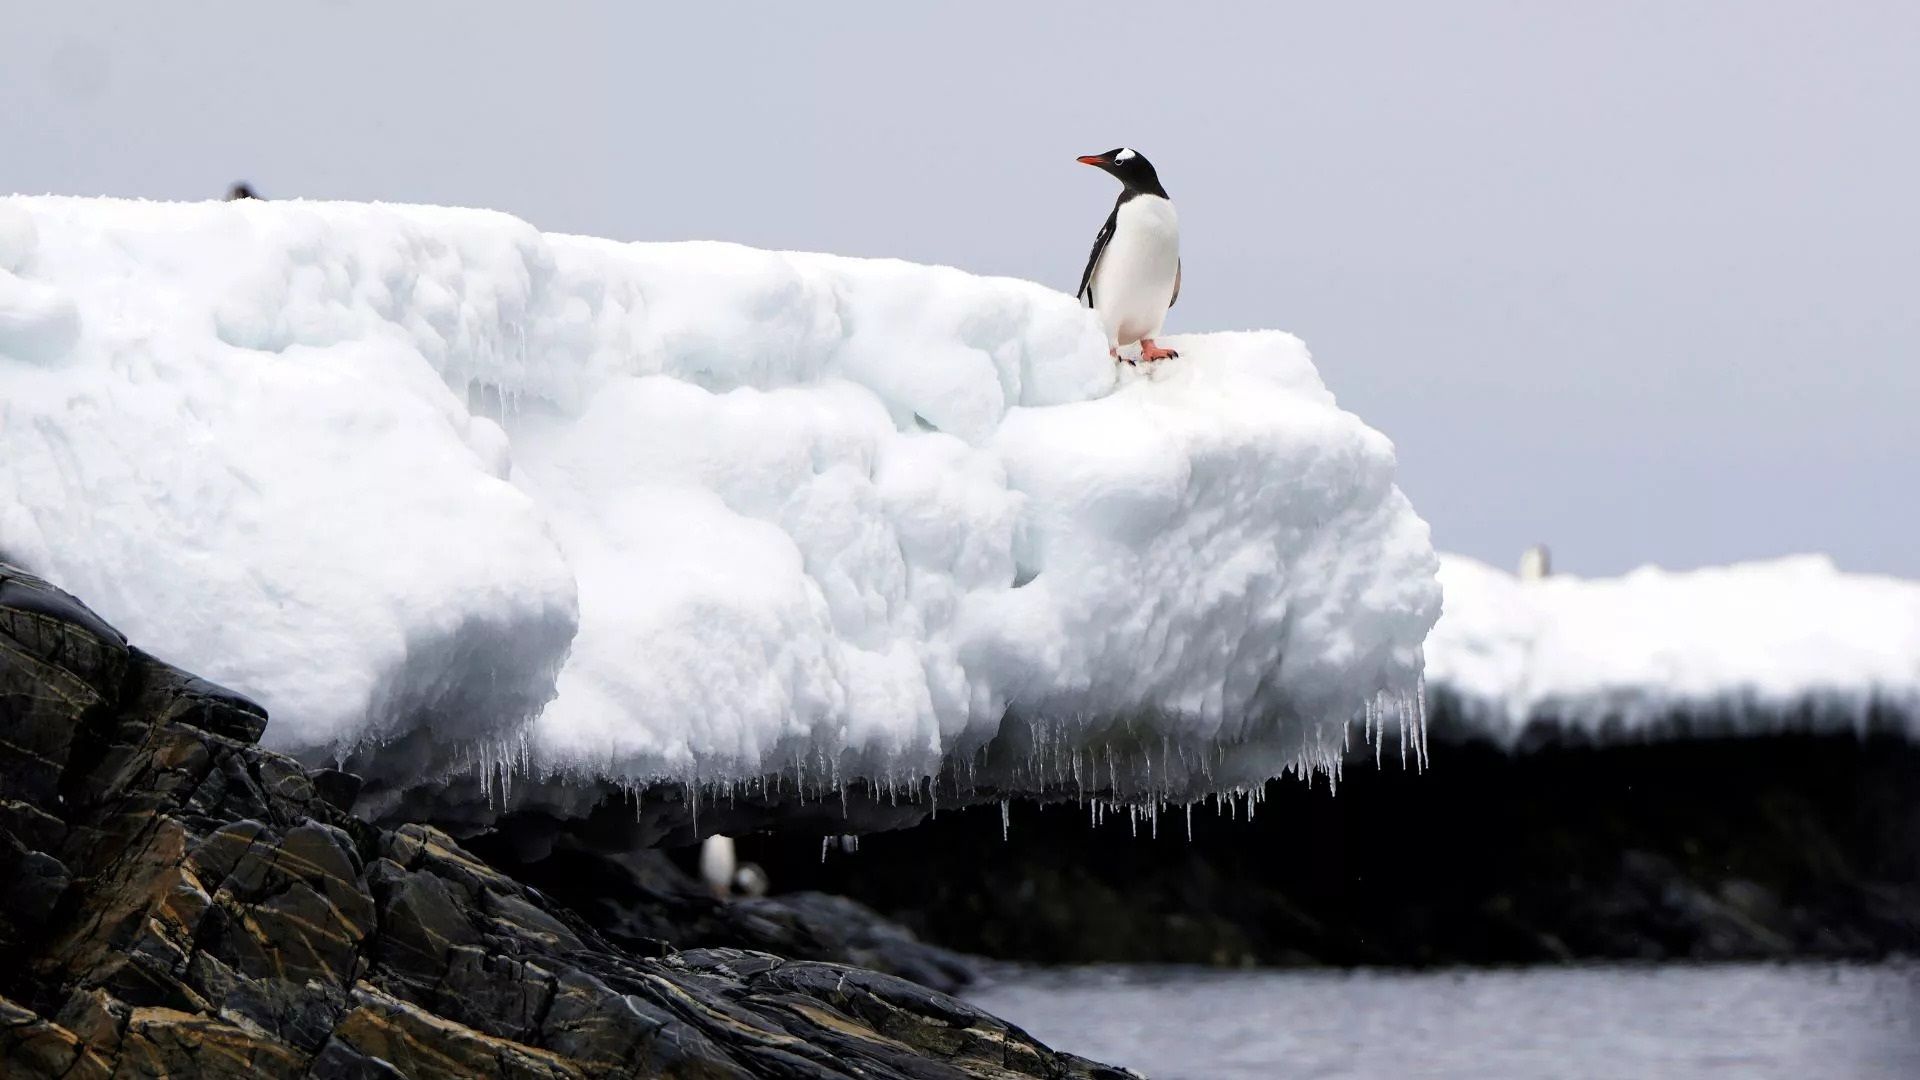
1150,351
1114,352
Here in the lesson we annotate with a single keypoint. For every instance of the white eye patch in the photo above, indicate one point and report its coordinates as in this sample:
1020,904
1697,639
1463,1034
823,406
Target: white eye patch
1125,155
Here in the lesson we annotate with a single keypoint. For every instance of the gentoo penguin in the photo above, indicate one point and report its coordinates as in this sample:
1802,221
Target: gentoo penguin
1535,563
718,864
1133,275
724,874
750,880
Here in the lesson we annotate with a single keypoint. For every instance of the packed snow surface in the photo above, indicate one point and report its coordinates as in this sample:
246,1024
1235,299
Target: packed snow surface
671,510
1790,644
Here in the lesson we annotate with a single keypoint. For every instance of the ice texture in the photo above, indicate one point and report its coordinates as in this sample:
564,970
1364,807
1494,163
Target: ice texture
652,510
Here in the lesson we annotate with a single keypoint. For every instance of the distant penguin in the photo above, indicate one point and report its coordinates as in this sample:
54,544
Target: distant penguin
241,190
750,880
1133,275
718,864
1535,563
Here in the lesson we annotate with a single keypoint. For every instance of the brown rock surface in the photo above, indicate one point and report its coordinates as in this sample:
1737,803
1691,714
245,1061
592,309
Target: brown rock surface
177,901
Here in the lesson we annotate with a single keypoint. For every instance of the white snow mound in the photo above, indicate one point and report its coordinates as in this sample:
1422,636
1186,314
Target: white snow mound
667,510
1753,648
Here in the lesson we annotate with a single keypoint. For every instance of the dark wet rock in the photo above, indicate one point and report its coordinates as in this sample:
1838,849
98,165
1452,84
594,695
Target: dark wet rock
415,777
645,900
1776,847
176,901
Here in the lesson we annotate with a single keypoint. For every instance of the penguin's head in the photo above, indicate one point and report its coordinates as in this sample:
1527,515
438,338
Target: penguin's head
240,190
1130,167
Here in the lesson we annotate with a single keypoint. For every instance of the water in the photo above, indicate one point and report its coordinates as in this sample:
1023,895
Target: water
1668,1022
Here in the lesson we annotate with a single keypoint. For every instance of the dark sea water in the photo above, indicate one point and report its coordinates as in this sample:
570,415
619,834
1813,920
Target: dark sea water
1669,1021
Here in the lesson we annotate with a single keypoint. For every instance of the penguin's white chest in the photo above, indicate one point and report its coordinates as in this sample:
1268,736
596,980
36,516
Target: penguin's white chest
1133,284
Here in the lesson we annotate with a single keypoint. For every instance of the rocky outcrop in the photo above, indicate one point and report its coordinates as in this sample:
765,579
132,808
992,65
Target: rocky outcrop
641,898
1792,846
176,901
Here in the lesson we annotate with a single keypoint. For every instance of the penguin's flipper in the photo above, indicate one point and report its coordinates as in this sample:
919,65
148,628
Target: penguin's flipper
1085,292
1177,268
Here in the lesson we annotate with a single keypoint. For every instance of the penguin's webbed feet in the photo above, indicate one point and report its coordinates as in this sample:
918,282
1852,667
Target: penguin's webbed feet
1150,351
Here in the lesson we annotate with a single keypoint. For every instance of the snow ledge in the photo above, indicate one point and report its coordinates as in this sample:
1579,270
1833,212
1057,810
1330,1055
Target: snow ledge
666,511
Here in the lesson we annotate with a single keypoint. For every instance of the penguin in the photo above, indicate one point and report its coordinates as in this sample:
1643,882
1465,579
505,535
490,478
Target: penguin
1133,275
751,881
1535,563
240,190
718,864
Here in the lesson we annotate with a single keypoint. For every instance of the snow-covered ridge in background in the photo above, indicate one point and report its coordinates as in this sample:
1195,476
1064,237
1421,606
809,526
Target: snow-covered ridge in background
1790,644
674,510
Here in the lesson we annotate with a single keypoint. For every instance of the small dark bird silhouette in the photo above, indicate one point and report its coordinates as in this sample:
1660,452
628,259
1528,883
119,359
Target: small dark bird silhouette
241,190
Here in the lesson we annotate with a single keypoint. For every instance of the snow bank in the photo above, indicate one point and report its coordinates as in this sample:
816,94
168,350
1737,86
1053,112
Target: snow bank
1791,644
673,510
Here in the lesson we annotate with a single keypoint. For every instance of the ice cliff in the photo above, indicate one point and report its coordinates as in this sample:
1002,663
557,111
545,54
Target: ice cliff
655,511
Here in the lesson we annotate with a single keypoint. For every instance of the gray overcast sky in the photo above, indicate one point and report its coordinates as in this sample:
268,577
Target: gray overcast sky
1643,282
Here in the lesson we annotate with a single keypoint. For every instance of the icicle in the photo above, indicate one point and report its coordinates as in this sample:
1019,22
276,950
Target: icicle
1006,820
1420,713
1373,732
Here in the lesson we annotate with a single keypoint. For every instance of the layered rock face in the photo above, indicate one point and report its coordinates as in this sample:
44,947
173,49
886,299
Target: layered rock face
176,901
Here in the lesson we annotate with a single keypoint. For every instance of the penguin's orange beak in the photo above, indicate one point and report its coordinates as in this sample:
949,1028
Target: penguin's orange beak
1092,159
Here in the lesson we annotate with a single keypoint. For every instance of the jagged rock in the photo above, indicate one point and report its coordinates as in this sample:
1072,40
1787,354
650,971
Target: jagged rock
642,899
180,902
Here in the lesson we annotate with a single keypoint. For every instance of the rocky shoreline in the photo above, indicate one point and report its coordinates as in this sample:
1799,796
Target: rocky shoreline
176,900
1771,848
